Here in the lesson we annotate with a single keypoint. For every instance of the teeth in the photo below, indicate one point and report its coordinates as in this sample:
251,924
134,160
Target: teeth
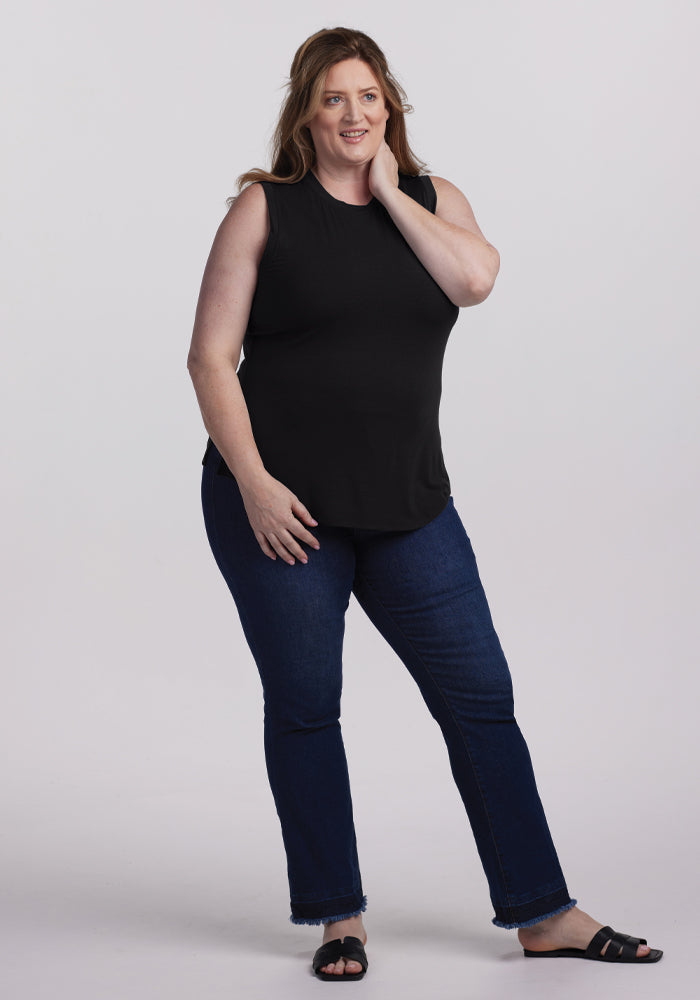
351,135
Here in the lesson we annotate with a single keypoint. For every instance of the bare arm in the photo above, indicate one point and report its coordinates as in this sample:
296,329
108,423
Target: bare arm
449,243
221,319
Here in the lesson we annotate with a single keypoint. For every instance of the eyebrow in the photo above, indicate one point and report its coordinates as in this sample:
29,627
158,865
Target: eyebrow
363,91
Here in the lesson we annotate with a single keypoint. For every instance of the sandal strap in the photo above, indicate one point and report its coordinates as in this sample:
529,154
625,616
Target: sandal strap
628,947
327,953
621,947
597,942
353,950
350,949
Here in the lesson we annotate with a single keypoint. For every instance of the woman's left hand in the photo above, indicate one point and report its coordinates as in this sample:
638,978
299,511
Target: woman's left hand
383,172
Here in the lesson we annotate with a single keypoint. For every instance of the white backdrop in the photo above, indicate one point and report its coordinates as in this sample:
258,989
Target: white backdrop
138,816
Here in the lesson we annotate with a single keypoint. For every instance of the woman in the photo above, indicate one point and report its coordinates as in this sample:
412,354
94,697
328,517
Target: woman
341,273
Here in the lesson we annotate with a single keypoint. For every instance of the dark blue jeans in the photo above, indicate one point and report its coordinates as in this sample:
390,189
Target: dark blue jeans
422,590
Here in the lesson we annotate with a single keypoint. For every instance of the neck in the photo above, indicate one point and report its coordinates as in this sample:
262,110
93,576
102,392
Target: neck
349,183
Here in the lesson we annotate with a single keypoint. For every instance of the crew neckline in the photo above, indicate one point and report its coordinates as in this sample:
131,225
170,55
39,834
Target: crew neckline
337,201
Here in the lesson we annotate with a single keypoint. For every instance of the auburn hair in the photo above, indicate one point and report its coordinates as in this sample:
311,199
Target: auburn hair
293,152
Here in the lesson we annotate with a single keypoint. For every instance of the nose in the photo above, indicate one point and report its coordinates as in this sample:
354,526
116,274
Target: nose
353,110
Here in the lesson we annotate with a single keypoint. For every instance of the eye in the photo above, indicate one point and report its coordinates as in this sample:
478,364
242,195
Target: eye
371,97
331,100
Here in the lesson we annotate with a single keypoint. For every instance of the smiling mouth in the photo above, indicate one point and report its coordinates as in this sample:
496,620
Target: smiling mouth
354,133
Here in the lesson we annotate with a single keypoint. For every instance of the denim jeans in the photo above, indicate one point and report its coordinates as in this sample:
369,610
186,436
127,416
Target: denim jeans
422,591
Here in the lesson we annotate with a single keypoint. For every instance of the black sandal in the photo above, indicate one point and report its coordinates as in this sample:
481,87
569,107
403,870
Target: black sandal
351,949
622,948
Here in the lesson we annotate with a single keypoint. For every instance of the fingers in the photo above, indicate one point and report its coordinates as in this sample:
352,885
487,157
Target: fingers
300,510
280,540
383,171
287,546
276,516
265,545
302,513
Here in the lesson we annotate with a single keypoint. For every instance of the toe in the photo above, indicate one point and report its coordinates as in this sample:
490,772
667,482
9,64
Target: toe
642,951
339,967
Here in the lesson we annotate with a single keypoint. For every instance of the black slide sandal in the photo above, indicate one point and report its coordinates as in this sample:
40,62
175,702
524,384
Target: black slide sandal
351,949
622,948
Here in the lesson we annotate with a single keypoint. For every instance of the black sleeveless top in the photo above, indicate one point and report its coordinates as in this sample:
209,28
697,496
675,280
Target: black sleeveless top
342,367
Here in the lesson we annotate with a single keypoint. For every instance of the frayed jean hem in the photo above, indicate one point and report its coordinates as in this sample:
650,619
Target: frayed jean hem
329,920
535,920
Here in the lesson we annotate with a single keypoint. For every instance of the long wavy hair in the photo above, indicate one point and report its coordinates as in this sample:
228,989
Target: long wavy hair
293,152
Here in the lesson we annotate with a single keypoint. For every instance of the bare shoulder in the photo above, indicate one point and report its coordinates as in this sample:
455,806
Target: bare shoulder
250,200
453,206
229,280
244,230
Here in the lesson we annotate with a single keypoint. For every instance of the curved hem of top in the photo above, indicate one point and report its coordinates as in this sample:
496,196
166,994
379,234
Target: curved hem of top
342,522
535,920
332,919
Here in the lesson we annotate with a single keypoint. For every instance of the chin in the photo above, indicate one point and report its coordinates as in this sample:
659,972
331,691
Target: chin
361,155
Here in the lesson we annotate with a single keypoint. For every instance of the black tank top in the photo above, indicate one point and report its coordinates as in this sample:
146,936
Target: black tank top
342,367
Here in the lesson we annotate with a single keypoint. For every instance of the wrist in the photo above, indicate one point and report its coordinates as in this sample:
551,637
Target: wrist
389,196
251,478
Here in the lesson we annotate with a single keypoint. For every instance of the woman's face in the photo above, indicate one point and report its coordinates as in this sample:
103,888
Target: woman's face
349,126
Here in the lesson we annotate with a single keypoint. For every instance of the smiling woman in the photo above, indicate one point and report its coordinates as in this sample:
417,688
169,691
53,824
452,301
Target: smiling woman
340,273
293,150
349,126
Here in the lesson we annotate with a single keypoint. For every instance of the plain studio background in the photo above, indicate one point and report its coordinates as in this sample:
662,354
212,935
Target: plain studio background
142,854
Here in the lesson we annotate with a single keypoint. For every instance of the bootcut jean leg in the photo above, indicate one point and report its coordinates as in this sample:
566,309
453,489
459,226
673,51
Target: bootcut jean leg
422,591
293,618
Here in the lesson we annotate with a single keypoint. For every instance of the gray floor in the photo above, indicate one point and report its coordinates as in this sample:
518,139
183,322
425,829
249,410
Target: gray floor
141,854
151,893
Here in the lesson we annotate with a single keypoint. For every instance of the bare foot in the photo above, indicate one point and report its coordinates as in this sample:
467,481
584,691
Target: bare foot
571,929
339,929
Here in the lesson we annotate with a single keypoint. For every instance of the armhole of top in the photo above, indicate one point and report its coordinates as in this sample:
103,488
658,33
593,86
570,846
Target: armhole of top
272,237
421,188
430,192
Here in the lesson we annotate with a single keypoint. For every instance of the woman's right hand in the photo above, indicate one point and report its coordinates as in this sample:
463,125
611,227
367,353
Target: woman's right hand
276,516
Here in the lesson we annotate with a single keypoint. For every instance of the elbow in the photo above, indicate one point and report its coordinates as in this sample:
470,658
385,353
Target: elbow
472,292
193,364
478,286
483,289
198,362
